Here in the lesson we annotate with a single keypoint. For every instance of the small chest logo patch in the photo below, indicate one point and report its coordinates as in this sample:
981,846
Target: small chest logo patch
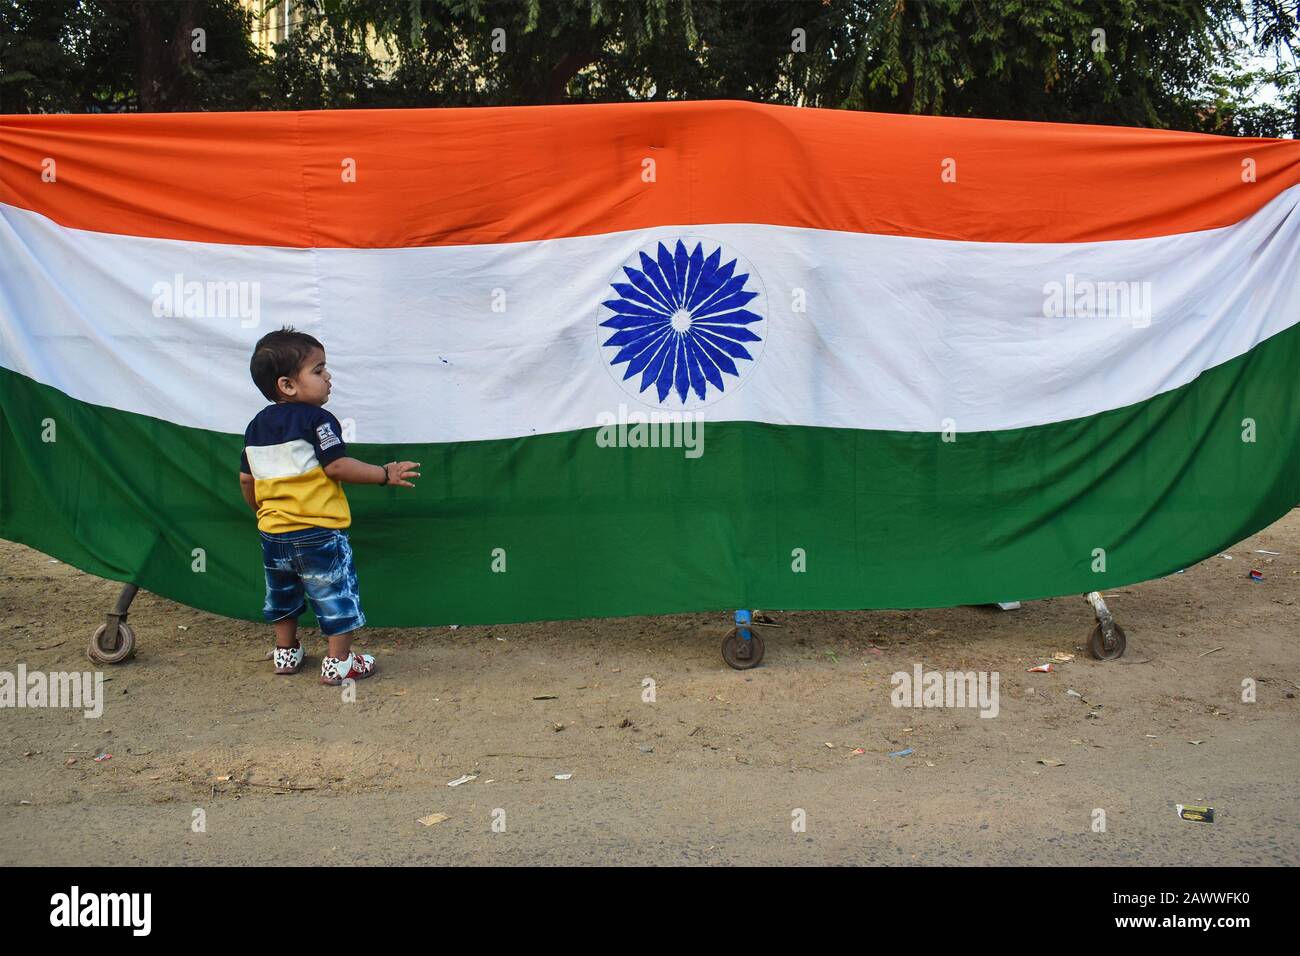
326,437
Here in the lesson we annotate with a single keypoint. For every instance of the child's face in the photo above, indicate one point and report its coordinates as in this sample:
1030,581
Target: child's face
312,383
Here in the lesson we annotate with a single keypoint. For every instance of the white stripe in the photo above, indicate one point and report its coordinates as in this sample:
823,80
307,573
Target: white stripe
286,460
898,334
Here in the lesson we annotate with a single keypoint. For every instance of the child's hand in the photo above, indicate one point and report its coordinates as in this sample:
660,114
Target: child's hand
400,471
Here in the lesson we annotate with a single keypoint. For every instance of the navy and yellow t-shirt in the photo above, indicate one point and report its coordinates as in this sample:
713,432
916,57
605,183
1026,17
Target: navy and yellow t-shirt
286,449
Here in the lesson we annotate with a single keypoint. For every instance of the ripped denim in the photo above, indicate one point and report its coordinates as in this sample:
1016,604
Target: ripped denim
314,564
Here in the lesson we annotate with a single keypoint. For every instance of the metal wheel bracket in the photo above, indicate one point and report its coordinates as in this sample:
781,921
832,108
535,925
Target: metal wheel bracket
1112,639
114,641
742,648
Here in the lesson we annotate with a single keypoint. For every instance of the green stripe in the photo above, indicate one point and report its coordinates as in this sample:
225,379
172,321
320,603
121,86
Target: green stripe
886,519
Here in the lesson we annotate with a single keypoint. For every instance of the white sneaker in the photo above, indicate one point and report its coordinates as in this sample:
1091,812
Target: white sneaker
288,660
335,670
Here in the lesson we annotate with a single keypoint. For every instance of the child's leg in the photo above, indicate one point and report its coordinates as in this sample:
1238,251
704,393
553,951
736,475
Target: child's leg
286,632
289,653
341,644
330,581
284,603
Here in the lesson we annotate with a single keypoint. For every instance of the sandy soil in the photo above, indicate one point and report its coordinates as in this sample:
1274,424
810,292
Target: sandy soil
286,771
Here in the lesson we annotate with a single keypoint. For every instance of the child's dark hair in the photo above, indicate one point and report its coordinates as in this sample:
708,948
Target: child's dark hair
279,353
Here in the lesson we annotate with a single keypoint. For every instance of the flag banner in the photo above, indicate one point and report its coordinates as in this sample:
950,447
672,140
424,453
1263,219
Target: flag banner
655,357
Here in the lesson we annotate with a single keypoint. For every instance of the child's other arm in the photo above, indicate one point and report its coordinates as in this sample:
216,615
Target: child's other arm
246,486
359,473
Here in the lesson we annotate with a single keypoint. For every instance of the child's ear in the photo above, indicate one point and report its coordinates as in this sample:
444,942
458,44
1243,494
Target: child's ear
286,385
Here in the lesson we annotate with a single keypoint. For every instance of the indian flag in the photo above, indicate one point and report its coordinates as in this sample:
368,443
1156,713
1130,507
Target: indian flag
655,357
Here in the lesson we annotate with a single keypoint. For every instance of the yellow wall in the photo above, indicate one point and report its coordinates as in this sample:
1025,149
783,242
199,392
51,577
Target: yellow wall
269,27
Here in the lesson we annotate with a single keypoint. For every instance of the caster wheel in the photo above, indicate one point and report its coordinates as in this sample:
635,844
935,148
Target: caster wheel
1097,646
101,652
740,653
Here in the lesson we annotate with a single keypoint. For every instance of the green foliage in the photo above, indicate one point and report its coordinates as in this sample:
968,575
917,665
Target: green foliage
1185,64
113,55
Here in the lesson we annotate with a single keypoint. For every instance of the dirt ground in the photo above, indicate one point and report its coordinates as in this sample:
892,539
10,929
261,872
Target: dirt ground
715,770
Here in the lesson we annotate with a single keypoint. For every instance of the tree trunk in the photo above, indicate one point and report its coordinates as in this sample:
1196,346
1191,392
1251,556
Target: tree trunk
164,67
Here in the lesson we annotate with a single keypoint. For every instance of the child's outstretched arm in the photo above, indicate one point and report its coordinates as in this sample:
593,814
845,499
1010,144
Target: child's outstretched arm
359,473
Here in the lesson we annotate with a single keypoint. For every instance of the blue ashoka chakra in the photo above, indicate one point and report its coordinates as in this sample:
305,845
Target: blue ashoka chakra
686,325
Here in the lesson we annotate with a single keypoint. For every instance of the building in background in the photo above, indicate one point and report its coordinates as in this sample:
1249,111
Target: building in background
274,21
271,24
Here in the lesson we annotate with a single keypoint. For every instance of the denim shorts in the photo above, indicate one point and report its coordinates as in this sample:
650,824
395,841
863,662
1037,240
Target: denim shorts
315,564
